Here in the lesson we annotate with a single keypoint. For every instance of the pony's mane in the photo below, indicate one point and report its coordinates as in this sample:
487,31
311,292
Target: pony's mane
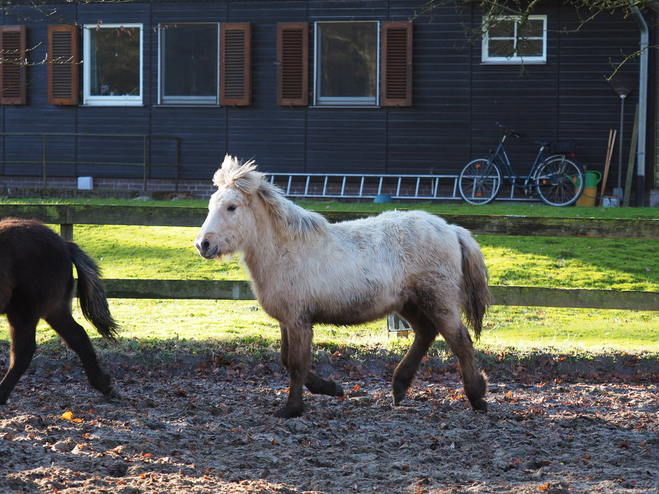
288,216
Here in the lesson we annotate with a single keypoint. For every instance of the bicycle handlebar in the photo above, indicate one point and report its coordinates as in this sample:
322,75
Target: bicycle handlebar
509,132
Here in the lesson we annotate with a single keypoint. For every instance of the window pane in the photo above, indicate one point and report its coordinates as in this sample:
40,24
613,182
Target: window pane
531,29
502,48
115,62
502,28
529,47
190,60
348,59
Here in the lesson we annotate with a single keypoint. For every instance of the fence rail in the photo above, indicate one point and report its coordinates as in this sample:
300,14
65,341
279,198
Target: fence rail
68,215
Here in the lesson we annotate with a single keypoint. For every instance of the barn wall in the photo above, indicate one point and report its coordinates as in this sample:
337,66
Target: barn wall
456,98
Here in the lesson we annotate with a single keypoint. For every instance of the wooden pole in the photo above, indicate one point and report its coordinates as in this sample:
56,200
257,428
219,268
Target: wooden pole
609,154
630,163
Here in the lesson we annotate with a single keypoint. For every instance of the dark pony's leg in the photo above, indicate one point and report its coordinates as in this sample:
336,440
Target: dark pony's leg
74,335
296,357
424,335
22,329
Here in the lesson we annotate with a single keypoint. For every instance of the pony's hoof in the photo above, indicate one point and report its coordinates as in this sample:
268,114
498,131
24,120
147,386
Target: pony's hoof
399,392
289,412
479,405
112,393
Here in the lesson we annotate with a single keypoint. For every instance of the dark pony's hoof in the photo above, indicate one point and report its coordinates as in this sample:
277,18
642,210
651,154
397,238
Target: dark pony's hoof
112,393
289,412
479,405
399,392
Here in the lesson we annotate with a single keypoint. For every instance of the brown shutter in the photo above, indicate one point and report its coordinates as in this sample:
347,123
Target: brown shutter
236,64
293,64
396,64
62,65
12,65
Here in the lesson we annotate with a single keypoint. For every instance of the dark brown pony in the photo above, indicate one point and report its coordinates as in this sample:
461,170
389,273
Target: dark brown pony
36,282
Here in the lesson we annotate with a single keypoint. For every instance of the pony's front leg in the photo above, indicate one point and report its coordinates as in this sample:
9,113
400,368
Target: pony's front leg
22,329
315,384
296,356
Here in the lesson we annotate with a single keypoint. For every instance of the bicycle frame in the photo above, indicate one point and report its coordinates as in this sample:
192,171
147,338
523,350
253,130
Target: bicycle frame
507,169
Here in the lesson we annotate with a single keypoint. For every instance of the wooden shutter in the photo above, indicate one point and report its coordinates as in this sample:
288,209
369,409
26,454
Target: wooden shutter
62,65
236,64
12,65
293,64
396,64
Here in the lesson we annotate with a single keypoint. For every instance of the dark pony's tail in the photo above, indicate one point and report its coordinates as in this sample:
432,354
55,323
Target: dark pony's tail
91,293
475,276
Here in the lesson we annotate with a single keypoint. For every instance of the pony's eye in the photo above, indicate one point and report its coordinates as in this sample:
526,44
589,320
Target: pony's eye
232,207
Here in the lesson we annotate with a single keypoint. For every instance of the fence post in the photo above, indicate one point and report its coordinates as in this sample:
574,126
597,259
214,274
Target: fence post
44,159
177,141
145,166
66,231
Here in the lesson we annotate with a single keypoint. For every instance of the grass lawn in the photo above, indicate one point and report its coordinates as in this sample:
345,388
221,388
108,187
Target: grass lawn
168,253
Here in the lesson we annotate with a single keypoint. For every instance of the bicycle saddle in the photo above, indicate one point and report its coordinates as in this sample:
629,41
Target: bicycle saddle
510,132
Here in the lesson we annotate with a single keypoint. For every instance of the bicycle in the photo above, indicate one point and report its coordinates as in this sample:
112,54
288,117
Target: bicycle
557,179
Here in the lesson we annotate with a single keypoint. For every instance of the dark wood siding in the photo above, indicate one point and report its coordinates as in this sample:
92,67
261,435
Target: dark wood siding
456,99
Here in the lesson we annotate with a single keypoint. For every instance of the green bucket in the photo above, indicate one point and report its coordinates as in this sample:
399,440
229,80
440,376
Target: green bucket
593,177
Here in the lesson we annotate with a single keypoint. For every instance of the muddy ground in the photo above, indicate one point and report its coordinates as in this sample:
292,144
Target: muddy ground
205,423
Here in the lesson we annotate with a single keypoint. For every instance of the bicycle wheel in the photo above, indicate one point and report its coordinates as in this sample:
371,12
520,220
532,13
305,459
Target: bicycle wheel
559,181
479,182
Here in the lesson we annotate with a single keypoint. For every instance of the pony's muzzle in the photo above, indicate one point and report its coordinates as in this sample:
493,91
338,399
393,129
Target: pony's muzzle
206,248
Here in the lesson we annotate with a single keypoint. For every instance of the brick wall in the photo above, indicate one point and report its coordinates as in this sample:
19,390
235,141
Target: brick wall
201,189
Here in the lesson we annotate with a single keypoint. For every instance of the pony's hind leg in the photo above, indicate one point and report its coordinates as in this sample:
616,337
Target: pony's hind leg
74,335
424,335
457,337
22,329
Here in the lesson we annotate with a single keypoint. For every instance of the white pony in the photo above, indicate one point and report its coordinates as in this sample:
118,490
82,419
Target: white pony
305,270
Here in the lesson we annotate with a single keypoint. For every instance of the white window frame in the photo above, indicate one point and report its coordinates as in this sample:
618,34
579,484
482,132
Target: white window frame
515,60
92,100
347,101
185,100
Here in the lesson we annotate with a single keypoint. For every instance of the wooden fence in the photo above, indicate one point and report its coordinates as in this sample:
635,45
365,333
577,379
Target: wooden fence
68,215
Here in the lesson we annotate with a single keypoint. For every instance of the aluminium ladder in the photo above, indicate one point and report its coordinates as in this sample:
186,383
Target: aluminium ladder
369,186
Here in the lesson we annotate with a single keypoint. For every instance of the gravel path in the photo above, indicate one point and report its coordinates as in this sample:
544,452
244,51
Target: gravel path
206,425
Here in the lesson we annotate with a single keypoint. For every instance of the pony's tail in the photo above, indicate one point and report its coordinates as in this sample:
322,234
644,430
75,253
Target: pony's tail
91,293
475,276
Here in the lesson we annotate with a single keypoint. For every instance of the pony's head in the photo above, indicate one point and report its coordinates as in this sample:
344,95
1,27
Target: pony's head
229,215
244,197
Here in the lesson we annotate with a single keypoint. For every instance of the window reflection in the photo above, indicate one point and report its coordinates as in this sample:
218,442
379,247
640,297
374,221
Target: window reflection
348,62
189,62
114,62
